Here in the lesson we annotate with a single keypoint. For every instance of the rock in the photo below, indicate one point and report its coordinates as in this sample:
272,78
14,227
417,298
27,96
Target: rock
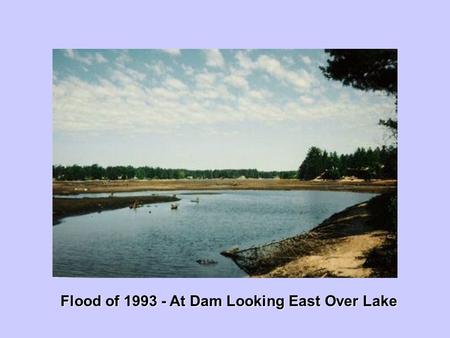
206,261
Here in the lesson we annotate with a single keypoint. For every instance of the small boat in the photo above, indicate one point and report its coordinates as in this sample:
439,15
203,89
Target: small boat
174,206
197,200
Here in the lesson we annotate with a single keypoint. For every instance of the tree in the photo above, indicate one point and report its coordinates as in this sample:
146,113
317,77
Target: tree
363,163
140,173
313,165
366,69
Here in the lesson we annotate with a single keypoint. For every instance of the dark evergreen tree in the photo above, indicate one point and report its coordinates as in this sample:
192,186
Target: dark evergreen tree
366,69
365,164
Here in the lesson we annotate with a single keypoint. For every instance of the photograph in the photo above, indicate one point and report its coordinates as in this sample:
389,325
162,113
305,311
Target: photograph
224,163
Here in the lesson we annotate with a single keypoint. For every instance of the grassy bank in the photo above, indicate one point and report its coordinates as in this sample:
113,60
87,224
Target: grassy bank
63,207
77,187
360,241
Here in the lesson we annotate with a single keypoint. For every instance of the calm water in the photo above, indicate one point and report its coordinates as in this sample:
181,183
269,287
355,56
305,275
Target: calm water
167,243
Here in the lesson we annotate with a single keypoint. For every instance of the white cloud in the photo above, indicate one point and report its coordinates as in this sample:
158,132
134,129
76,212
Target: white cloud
205,79
159,68
244,61
214,58
85,57
188,70
100,58
172,51
123,58
307,99
259,94
305,59
70,53
236,81
175,84
88,59
127,76
128,99
300,78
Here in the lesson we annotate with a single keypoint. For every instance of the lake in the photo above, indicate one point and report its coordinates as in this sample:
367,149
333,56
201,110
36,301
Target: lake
155,241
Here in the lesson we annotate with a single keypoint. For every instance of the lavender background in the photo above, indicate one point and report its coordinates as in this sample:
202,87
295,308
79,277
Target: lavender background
30,296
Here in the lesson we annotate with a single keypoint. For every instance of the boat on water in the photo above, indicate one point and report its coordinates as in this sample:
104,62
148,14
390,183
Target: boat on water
174,206
197,200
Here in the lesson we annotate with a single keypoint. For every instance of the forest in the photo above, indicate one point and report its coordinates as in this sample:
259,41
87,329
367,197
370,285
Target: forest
363,163
96,172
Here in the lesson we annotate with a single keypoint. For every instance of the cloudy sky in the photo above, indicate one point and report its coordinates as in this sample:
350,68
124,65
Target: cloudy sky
205,109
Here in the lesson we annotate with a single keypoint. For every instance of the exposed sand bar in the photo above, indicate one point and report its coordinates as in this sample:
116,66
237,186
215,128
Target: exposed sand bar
77,187
63,207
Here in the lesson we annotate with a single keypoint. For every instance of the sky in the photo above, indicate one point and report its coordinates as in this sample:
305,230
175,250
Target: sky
206,109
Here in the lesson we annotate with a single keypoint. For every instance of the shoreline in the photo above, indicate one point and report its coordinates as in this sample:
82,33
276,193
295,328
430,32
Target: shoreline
85,187
65,207
359,241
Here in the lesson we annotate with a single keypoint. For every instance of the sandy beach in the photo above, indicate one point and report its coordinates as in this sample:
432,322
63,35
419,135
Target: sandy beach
360,241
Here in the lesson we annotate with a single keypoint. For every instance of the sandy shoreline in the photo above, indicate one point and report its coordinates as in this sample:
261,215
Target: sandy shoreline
77,187
360,241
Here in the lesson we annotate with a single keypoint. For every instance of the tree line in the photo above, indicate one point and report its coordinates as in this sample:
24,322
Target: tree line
97,172
363,163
